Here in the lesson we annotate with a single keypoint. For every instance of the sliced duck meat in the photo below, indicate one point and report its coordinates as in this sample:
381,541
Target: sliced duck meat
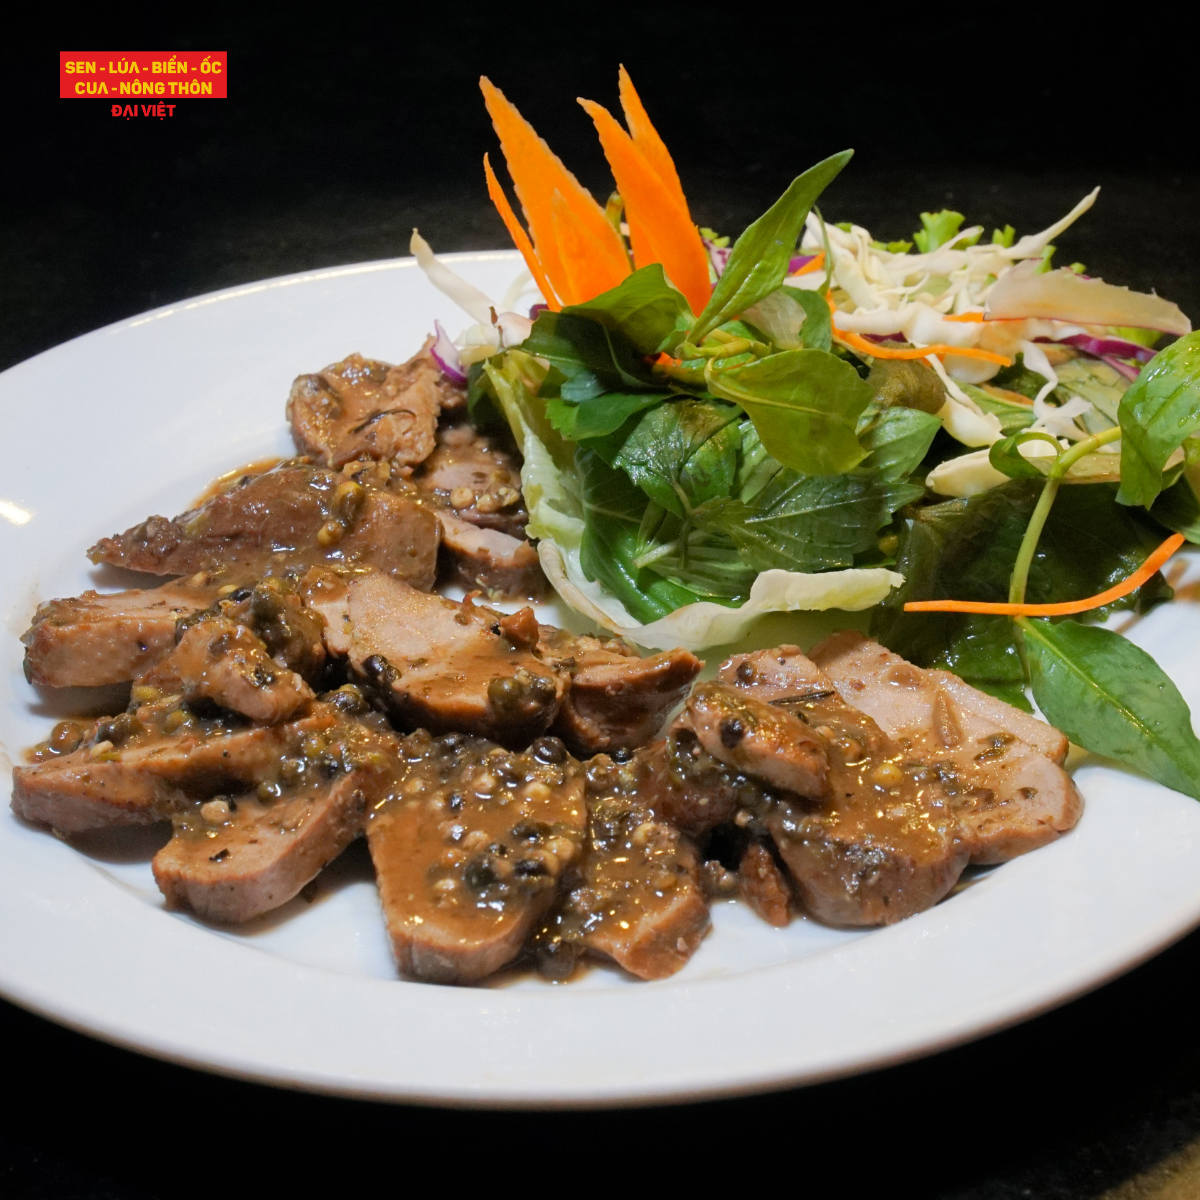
283,521
617,700
474,476
471,850
92,640
882,841
360,408
763,885
143,765
757,739
220,660
274,611
235,857
326,594
636,897
1000,767
443,666
499,564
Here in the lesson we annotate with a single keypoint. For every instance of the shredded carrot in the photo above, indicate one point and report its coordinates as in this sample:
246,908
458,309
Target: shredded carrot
537,173
857,342
1131,584
519,236
816,264
660,229
971,317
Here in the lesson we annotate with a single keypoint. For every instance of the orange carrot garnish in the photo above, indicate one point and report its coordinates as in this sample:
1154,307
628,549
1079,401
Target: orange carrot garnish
646,139
660,229
537,173
857,342
971,317
519,236
1130,584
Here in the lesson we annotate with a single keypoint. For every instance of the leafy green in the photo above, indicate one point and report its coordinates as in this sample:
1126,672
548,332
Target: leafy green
805,405
1006,457
759,260
1013,416
808,522
703,560
896,440
1158,412
1111,697
600,415
683,454
1178,507
939,228
965,550
1019,378
792,318
1003,237
1094,381
589,358
644,308
612,513
900,383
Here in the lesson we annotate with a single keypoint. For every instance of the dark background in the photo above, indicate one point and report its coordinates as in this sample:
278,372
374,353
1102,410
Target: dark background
344,128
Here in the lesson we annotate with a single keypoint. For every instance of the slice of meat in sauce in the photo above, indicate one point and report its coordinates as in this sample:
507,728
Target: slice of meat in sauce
92,640
635,897
1000,767
220,660
235,857
143,765
763,885
496,562
617,700
471,849
444,666
477,479
360,408
285,520
880,842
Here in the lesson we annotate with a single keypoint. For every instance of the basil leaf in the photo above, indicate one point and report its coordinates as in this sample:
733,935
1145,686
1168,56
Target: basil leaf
1111,697
644,308
1007,458
805,405
1178,508
1160,409
591,358
701,560
808,522
759,260
613,507
601,415
896,441
683,454
965,550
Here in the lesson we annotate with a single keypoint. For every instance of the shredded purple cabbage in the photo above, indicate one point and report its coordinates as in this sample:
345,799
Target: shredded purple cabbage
445,354
1124,368
717,255
1103,347
539,307
798,262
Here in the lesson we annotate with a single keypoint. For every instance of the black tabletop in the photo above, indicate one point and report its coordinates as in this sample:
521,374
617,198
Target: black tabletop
330,149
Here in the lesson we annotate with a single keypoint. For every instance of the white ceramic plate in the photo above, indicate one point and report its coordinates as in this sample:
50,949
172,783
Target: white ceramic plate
135,419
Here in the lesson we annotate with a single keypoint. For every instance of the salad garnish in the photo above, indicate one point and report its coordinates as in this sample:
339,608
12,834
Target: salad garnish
944,429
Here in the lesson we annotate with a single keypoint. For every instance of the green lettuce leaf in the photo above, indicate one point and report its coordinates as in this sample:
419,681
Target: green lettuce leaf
938,228
1111,697
759,260
793,319
1013,416
1159,411
805,405
683,454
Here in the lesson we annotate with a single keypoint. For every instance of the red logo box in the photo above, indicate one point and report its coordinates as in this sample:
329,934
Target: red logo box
143,75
